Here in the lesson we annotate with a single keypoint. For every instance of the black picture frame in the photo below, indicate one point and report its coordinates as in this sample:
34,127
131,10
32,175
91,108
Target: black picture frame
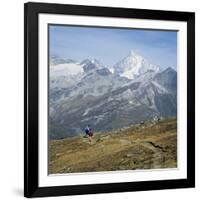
31,94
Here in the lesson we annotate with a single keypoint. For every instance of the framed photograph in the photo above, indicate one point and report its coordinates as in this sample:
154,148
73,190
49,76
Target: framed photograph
109,99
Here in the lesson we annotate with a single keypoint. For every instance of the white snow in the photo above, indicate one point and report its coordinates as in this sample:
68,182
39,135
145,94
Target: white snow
130,102
133,66
161,89
86,111
66,69
111,70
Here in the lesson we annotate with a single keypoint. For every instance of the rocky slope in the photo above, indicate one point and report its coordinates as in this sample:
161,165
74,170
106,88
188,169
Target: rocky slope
89,93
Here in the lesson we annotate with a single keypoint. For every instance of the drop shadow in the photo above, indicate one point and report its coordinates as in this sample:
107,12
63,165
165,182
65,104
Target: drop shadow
18,192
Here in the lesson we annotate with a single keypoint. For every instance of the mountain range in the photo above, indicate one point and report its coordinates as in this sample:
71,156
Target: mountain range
107,98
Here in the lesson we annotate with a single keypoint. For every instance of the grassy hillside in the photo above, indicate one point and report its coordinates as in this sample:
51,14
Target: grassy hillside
148,146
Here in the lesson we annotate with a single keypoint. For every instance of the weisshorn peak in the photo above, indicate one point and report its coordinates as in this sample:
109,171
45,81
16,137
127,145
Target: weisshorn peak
133,66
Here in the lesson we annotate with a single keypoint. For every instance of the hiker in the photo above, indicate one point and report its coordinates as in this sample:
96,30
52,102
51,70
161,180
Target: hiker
88,132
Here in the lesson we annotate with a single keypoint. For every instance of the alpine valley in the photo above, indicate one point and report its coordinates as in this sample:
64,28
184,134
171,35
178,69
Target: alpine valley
108,98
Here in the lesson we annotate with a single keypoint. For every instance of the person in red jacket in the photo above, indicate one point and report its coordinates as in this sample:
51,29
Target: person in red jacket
88,132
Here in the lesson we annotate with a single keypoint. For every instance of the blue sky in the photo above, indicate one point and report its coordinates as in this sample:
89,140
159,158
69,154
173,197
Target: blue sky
111,45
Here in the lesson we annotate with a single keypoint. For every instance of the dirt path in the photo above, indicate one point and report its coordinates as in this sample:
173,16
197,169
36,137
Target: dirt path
158,157
158,152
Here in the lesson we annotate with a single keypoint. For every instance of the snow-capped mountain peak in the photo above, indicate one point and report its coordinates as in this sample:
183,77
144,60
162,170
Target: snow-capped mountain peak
133,53
87,92
133,66
89,65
